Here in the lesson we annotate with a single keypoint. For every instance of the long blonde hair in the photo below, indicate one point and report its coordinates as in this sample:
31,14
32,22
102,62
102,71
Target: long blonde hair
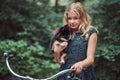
84,16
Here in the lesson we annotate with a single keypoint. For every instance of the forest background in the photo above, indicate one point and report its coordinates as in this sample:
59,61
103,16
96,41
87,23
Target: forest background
26,27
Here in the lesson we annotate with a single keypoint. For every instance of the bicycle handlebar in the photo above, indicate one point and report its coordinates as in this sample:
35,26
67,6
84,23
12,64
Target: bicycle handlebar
30,78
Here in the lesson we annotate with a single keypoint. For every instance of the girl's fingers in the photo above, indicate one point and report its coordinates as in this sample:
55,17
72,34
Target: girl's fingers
76,68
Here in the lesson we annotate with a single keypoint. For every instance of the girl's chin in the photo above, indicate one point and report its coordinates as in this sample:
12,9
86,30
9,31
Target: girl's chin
74,28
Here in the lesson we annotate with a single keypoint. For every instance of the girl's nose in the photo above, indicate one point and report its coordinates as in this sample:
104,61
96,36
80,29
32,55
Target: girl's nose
72,21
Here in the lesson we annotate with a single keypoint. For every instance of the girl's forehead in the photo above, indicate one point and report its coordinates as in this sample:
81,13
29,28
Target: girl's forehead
73,13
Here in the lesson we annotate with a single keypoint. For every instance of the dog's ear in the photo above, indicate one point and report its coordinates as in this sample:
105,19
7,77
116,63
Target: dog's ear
56,31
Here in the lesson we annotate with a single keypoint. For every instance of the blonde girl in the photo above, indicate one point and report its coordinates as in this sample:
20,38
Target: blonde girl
82,47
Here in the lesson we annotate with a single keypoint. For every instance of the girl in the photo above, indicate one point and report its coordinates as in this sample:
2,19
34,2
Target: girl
82,47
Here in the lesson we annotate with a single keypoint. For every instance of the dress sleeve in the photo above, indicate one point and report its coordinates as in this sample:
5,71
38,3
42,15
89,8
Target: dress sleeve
93,30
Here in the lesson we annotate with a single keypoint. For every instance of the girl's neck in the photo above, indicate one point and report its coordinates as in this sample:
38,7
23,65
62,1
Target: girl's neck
77,31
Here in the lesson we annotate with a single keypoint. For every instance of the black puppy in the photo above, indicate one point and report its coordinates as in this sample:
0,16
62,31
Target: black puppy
63,36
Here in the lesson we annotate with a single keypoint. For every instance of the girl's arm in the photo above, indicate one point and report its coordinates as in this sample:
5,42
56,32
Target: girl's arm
92,42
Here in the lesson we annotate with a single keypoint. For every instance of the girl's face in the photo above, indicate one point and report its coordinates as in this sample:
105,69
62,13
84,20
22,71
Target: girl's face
73,20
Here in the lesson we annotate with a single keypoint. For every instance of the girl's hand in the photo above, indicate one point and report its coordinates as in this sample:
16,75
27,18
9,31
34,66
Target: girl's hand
77,67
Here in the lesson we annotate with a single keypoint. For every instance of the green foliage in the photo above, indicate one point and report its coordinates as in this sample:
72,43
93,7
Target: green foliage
105,18
26,28
27,19
108,70
31,59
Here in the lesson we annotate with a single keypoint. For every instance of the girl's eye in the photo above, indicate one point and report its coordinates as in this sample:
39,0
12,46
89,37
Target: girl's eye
75,18
69,18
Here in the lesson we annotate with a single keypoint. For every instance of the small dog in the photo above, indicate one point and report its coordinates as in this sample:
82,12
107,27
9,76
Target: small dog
63,36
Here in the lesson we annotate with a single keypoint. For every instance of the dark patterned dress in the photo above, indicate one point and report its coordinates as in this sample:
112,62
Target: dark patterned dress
76,52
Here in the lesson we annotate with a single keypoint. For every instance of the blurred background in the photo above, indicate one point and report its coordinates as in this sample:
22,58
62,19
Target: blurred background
26,27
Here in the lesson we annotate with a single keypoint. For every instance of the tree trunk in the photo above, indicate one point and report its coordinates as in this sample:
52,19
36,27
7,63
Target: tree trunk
56,5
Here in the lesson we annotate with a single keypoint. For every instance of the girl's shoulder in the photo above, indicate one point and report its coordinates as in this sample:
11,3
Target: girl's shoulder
93,30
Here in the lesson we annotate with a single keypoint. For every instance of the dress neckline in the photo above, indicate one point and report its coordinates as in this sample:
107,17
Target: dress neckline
78,33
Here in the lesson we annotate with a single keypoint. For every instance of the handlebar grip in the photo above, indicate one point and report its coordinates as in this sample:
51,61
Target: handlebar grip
8,55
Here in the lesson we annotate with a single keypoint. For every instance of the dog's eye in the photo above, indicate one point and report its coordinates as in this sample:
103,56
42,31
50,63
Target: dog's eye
57,44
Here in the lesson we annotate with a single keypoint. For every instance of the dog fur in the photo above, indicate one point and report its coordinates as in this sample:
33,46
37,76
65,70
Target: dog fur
63,36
